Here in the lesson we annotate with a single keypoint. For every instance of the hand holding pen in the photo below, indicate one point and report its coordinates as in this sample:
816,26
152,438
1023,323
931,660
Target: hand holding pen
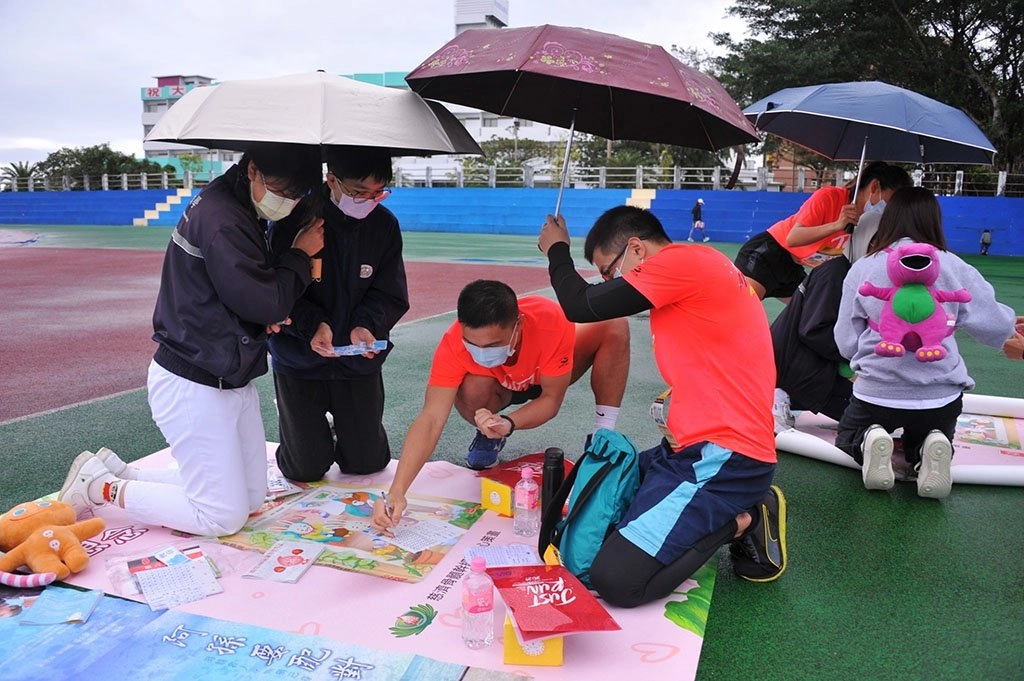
387,512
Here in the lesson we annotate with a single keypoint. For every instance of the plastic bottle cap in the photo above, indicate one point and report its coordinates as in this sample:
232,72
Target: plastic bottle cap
478,564
527,473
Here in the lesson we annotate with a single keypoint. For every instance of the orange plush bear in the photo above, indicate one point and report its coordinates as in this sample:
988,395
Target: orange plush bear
44,536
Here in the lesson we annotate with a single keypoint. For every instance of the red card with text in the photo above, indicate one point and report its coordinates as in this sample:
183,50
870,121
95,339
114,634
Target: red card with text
548,600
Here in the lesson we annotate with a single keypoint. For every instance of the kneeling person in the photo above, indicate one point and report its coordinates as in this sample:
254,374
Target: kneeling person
505,351
709,481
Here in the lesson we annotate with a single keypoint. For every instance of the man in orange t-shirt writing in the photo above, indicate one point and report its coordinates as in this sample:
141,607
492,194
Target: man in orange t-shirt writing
773,261
709,481
504,351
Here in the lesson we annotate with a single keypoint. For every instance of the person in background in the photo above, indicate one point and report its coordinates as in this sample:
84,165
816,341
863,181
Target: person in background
222,294
986,241
709,481
698,222
910,373
360,296
506,351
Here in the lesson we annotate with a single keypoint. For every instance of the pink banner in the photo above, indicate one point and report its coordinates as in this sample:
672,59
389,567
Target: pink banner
659,640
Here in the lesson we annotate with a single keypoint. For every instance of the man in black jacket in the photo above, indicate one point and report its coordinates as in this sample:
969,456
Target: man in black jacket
359,297
221,295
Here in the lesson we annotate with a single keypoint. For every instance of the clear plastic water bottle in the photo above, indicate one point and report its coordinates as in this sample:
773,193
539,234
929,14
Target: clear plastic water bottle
477,606
526,505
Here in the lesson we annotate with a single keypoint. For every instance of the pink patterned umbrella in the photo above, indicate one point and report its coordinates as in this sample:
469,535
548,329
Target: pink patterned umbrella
576,78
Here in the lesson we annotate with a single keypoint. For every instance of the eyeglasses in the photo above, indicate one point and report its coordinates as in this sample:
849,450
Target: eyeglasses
363,196
610,267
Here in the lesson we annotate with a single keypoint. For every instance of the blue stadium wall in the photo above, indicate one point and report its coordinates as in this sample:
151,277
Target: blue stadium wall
731,216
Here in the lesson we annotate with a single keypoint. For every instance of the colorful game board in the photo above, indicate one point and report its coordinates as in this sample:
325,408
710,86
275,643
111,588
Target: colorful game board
337,515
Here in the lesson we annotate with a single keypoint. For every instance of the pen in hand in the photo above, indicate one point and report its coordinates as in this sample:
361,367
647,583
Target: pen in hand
388,508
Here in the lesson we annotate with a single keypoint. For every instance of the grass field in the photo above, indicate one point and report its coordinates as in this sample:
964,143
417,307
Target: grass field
880,586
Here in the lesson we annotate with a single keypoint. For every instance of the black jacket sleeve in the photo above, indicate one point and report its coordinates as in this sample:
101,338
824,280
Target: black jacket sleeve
823,289
583,302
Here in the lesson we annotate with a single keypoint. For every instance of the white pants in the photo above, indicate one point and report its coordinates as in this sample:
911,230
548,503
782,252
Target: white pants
217,439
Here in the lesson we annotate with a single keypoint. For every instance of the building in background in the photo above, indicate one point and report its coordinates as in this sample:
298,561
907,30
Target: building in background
156,100
480,14
483,126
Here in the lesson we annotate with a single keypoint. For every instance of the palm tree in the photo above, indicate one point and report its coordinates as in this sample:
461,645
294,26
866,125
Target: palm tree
18,173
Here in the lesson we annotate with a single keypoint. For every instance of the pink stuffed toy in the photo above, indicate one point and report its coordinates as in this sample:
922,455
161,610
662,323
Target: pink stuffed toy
912,318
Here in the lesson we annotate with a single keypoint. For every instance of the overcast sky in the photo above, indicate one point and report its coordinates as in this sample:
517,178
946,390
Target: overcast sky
71,70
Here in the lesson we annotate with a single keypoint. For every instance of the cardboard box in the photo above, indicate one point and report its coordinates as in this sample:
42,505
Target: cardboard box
545,653
496,496
497,484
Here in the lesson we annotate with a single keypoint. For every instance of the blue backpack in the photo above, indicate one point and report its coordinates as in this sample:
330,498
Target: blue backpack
600,487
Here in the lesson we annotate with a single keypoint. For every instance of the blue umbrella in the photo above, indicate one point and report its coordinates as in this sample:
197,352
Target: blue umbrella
848,121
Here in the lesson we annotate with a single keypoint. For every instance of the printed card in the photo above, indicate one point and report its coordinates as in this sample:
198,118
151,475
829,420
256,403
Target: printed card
173,585
286,561
360,348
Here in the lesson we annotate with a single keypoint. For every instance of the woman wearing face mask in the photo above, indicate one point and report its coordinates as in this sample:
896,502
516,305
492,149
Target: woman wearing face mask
221,295
358,298
773,261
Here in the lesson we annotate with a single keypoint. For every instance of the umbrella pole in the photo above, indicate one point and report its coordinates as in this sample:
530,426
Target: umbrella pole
856,184
565,164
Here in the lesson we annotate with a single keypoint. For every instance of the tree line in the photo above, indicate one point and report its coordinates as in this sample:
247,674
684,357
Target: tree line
966,53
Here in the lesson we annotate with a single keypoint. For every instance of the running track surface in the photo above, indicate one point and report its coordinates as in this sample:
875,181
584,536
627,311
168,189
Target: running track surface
76,323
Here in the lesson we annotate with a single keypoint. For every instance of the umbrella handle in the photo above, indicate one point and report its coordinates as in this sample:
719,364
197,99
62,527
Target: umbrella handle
565,164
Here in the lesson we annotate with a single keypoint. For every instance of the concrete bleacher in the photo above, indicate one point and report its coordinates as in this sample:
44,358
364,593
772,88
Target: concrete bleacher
79,208
168,211
730,216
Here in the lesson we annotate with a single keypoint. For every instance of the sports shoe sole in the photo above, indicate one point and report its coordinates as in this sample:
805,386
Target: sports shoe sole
877,468
477,466
934,479
783,559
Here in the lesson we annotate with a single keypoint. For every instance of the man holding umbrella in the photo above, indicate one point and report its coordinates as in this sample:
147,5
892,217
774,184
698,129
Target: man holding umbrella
708,482
221,295
359,297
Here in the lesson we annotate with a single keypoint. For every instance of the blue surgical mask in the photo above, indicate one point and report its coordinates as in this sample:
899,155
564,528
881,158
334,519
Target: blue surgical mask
493,356
875,207
489,357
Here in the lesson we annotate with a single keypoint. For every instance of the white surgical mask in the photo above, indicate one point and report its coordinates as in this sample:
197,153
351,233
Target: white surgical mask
272,207
875,207
493,356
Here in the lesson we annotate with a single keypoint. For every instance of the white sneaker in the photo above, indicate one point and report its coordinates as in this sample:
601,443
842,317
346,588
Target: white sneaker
934,479
707,239
690,239
784,419
877,467
75,491
115,464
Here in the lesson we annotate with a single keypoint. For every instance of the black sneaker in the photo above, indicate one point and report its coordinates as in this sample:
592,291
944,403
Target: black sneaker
760,554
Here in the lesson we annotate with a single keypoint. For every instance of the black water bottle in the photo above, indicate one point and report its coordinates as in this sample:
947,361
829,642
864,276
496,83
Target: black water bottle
551,479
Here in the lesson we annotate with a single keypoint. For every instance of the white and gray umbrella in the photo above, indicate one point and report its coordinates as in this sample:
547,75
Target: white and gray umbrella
315,109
